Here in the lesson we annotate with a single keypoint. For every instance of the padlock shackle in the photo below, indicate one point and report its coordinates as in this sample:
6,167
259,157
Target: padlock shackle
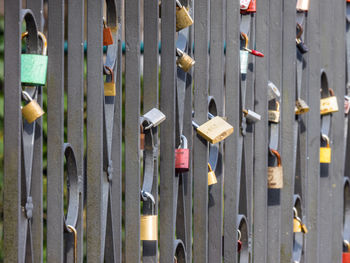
43,39
300,31
183,142
239,235
295,212
246,39
110,72
146,195
325,138
276,153
331,92
179,52
178,3
347,244
209,166
26,96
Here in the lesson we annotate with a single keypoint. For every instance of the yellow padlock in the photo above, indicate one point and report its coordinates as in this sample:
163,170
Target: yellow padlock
149,224
184,61
32,110
325,152
329,104
211,176
109,87
298,225
183,18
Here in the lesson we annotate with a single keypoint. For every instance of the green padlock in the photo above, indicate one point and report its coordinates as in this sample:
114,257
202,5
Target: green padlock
34,66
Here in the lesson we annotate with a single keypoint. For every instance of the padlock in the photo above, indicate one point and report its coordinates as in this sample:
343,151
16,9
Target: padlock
251,51
251,116
32,110
107,35
296,225
325,152
274,115
244,4
303,5
251,8
239,242
154,118
211,176
34,66
149,224
275,173
346,104
109,87
184,61
329,104
300,44
142,138
346,254
301,106
243,55
183,18
214,130
182,156
272,91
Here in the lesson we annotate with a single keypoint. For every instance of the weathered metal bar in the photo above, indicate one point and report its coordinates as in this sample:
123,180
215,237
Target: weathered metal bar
132,141
55,135
75,106
94,128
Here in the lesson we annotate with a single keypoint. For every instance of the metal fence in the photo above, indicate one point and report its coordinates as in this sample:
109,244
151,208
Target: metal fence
102,187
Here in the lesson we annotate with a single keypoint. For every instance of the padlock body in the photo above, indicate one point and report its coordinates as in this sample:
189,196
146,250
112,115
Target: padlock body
329,105
239,246
346,106
244,4
251,8
296,226
325,155
212,178
142,141
149,227
33,69
215,130
252,116
274,116
304,228
107,36
154,116
32,111
275,177
301,107
302,47
182,160
244,61
303,5
346,257
109,89
183,18
185,62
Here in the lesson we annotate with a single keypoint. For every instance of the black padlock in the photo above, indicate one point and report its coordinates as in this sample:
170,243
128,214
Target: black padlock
300,44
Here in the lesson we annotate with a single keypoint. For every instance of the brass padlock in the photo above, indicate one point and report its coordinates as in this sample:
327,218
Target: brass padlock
184,61
301,107
303,5
298,225
107,35
325,152
32,110
214,130
183,18
329,104
149,224
275,173
211,176
142,138
109,87
274,115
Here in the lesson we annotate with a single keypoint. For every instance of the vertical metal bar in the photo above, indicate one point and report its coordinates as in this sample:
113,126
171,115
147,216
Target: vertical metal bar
132,141
259,230
216,83
12,131
200,150
232,151
37,182
167,133
338,68
287,128
55,136
311,199
75,103
94,131
150,98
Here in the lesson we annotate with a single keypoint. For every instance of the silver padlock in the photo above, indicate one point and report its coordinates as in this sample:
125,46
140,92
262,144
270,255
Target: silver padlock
154,117
251,116
244,61
272,91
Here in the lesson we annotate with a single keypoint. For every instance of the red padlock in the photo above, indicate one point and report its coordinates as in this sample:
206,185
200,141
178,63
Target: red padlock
182,156
251,8
347,104
239,242
346,255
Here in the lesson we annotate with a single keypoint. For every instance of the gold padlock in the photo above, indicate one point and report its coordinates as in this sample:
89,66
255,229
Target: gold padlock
214,130
32,110
211,176
325,152
184,61
183,18
301,107
109,87
298,225
329,104
274,115
149,224
303,5
275,173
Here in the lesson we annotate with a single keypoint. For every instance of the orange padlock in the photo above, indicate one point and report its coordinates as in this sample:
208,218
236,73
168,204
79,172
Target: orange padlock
346,255
107,35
